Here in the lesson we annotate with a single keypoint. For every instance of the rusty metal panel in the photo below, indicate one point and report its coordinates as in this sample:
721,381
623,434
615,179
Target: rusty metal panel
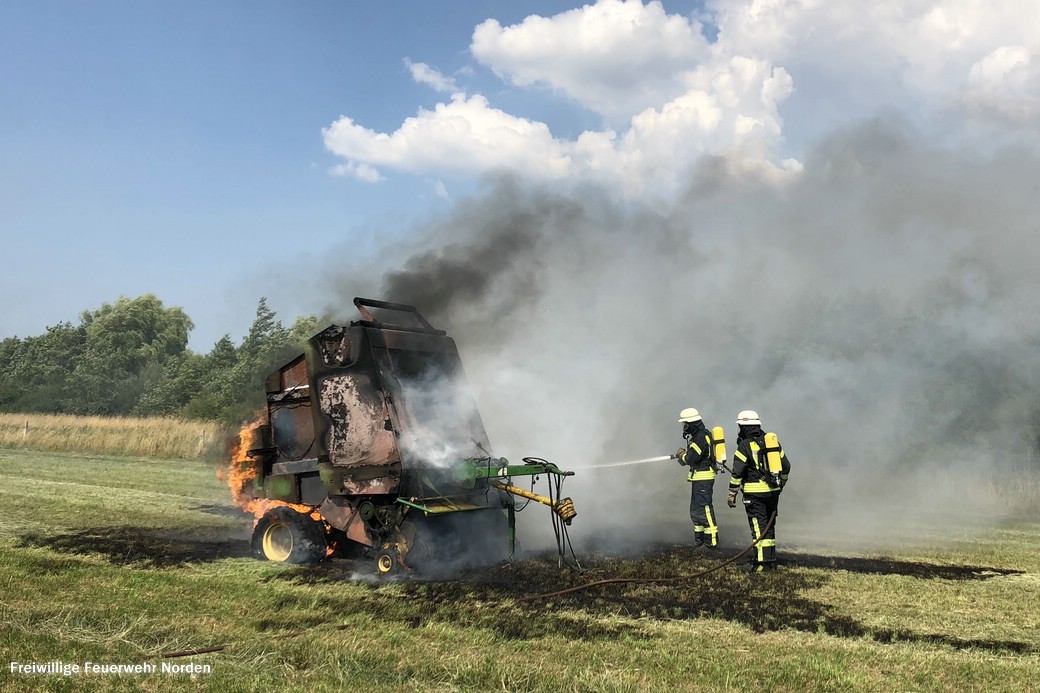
344,516
359,434
295,374
289,381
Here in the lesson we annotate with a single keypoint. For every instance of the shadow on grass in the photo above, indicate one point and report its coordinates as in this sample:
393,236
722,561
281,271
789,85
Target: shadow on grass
884,566
140,546
493,597
232,511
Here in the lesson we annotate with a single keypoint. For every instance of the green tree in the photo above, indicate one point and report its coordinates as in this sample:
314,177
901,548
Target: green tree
127,345
305,327
34,370
179,382
131,357
213,397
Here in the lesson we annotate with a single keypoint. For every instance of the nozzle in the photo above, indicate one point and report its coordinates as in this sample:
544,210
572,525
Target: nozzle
565,509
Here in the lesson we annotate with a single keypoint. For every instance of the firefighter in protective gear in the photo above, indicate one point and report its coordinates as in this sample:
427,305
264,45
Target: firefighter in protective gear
760,485
698,456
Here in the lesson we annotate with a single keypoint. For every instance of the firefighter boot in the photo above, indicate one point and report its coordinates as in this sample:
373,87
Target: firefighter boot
698,538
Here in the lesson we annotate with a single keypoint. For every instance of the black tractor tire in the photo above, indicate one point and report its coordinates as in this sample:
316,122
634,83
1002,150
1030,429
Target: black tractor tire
285,536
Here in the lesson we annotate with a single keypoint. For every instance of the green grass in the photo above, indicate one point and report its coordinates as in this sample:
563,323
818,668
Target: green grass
119,560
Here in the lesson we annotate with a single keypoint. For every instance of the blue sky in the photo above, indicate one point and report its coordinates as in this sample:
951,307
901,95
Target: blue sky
176,148
214,153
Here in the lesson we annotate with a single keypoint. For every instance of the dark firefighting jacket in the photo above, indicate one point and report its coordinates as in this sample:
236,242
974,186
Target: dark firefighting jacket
750,473
697,455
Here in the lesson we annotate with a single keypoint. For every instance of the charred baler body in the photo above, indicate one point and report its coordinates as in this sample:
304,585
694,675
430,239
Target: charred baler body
370,437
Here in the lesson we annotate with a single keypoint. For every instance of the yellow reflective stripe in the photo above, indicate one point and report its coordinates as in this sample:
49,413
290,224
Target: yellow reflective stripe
758,532
705,475
695,447
767,542
698,528
734,484
758,487
712,528
740,456
754,454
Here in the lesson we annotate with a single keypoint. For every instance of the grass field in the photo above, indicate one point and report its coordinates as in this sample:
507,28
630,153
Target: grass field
118,560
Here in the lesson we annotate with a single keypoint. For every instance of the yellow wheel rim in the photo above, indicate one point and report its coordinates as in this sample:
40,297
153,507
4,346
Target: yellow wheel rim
385,563
278,542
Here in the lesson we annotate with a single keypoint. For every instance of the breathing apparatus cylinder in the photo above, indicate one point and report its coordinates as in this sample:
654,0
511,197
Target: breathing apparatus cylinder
719,436
772,450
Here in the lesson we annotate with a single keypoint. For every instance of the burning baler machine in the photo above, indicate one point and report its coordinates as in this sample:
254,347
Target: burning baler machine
370,438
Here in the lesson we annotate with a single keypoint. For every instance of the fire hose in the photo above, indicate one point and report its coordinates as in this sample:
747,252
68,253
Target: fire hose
644,581
662,458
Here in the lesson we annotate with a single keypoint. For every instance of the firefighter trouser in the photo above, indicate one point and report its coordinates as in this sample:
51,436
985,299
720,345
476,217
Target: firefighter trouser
760,507
703,514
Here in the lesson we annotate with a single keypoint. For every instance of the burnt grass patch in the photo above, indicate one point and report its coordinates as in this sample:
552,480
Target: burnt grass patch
139,546
506,598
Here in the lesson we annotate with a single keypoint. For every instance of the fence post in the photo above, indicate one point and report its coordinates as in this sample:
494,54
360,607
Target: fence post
25,431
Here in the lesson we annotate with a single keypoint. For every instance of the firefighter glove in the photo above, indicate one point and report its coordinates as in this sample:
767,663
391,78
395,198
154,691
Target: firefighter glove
731,500
679,455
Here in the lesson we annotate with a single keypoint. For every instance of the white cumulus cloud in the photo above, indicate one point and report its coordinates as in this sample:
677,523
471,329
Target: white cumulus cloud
667,95
463,135
424,74
615,57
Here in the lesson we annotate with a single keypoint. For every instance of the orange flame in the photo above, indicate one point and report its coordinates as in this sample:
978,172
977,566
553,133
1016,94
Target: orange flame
243,469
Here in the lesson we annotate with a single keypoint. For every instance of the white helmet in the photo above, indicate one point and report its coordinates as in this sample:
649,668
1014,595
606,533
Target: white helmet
748,418
689,414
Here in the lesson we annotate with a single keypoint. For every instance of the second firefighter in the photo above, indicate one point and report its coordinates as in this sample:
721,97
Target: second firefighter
760,471
698,456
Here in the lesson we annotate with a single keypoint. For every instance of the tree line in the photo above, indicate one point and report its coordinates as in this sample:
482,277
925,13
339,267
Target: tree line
131,358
